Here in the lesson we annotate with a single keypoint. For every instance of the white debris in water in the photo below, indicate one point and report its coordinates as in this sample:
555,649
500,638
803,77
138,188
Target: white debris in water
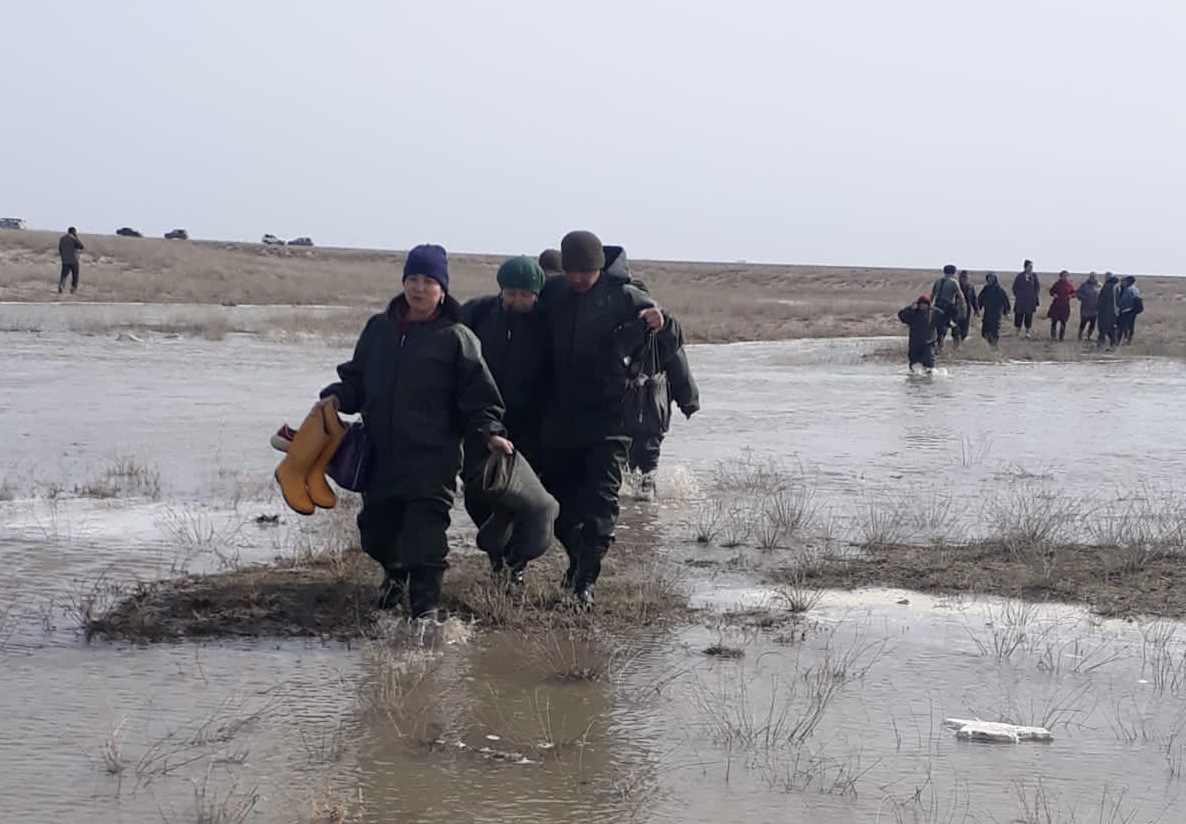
493,737
995,731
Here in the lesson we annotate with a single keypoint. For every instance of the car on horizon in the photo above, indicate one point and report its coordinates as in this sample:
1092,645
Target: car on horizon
301,241
12,223
127,231
272,240
177,234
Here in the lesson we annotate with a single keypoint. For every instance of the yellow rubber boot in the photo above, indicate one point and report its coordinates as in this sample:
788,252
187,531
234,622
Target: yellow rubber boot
306,445
319,490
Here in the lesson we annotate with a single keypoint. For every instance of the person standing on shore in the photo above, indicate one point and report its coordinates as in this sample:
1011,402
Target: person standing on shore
993,301
1109,299
68,248
1130,305
1089,302
1059,312
1026,298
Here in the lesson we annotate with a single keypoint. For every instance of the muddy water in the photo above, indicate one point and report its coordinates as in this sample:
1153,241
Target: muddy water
483,725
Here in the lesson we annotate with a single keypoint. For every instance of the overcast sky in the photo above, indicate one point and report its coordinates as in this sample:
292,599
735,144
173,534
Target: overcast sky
863,132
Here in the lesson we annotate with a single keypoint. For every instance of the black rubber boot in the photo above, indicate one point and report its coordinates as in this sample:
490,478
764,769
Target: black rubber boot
393,591
424,592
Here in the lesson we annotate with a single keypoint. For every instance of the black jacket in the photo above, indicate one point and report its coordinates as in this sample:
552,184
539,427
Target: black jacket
420,388
595,338
994,303
922,324
69,247
1109,306
515,347
970,297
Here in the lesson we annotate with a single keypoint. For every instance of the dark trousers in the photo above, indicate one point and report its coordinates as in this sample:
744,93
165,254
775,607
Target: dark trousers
585,481
69,270
1058,329
644,452
1126,324
1107,333
946,319
991,331
924,354
1088,324
1026,318
407,537
960,333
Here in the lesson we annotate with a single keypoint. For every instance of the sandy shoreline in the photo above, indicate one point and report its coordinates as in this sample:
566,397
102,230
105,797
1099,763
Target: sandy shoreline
717,302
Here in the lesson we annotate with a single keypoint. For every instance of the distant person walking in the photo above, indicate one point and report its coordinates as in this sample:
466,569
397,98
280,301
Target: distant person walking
966,310
922,320
1131,305
1108,309
1089,303
68,248
993,301
946,298
1063,291
1026,292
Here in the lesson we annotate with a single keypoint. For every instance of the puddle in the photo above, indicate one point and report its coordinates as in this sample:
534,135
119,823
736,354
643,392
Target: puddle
176,430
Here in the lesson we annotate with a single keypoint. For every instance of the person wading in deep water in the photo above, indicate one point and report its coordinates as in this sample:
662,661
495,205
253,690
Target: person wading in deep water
922,320
598,322
419,380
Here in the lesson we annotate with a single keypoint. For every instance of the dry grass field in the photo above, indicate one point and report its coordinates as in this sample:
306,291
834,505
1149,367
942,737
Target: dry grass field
717,302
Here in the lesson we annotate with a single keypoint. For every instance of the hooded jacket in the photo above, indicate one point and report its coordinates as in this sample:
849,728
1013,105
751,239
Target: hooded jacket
1108,299
594,340
1089,299
994,303
420,388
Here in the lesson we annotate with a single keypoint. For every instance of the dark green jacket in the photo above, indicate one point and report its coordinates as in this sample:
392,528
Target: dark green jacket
594,338
1109,305
421,388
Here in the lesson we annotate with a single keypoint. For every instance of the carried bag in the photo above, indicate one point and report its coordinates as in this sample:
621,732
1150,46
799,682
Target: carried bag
350,464
646,407
1138,305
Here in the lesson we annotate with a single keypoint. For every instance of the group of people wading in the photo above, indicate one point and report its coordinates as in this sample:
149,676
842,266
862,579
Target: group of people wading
1107,311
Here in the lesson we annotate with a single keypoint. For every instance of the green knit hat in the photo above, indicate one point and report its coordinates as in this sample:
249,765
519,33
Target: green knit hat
521,273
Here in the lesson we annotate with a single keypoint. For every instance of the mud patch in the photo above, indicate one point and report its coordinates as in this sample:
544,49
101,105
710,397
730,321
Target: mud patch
1111,582
333,597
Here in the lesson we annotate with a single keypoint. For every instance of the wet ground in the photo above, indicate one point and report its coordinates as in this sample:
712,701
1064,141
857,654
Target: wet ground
141,459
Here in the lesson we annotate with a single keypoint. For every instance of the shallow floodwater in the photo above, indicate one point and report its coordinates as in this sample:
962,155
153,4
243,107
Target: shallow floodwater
126,459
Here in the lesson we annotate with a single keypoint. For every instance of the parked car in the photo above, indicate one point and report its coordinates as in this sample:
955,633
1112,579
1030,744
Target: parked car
301,241
127,231
177,234
272,240
11,223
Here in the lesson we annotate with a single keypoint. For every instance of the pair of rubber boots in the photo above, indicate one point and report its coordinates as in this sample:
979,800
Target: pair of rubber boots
301,474
420,587
520,527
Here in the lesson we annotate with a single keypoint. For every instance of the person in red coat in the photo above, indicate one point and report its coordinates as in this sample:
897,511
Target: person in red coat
1063,291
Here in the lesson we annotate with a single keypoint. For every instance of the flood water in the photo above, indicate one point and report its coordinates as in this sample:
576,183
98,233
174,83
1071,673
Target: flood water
275,731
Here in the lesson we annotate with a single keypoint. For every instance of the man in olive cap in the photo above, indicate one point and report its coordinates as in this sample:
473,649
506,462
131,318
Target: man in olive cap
514,342
599,323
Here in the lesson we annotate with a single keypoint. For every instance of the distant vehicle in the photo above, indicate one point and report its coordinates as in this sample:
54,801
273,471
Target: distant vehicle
127,231
11,223
301,241
272,240
177,234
